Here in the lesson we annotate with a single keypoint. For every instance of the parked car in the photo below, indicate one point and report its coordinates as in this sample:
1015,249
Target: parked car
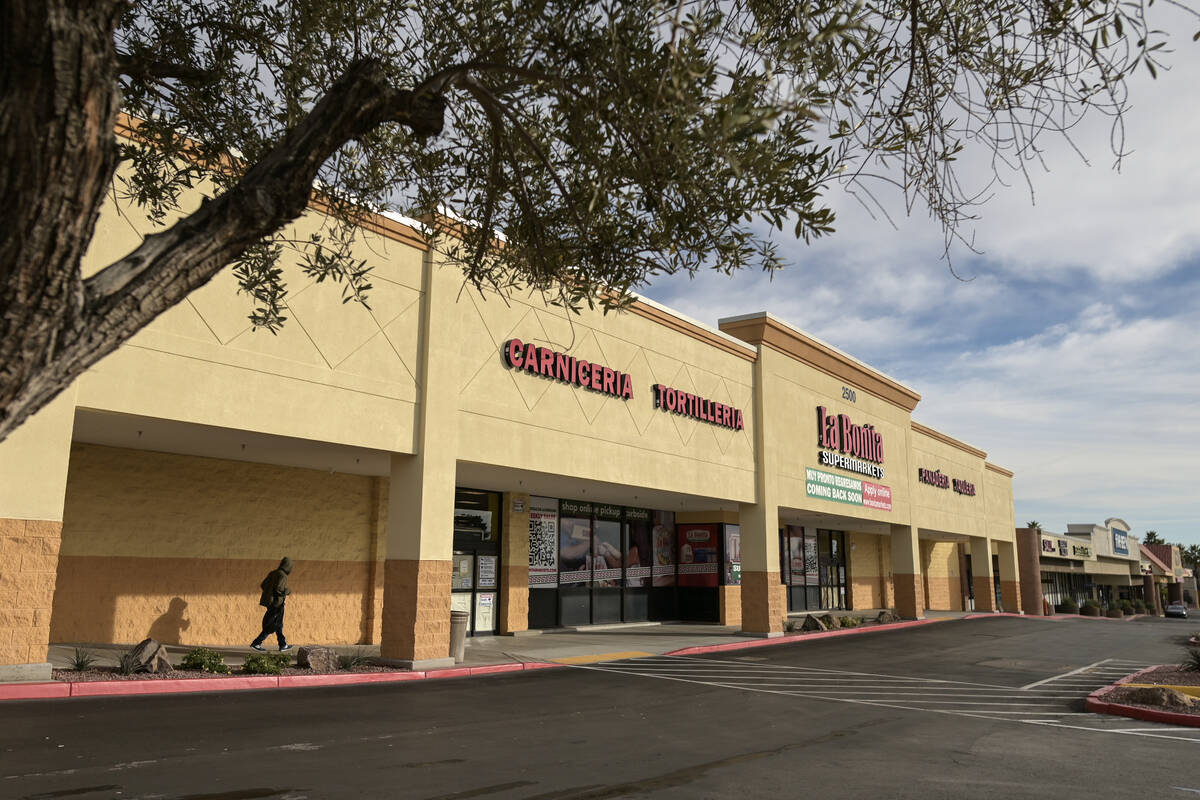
1176,610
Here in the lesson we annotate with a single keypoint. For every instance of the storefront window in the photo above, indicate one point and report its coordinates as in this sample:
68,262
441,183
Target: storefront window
475,577
606,546
664,548
574,543
543,543
698,551
639,547
733,555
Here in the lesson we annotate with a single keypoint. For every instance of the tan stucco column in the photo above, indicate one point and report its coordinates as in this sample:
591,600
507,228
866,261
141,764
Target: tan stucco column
981,573
33,484
1010,581
1029,570
906,572
420,531
514,579
764,597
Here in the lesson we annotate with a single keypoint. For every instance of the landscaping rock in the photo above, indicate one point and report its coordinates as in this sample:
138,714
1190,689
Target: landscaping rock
318,659
150,657
830,621
886,618
812,623
1159,696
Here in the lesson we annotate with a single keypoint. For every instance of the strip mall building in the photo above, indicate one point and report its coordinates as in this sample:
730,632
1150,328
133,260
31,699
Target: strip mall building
449,450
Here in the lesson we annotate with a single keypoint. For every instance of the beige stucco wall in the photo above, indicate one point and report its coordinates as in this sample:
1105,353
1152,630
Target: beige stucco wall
794,391
517,419
939,509
998,494
336,372
175,546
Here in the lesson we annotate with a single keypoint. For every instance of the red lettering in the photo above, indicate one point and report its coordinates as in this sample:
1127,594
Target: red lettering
739,424
609,377
627,387
597,373
657,389
531,358
727,416
581,373
562,366
546,362
512,353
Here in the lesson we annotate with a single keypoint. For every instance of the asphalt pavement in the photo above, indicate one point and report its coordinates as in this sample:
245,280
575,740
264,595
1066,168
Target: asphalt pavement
881,715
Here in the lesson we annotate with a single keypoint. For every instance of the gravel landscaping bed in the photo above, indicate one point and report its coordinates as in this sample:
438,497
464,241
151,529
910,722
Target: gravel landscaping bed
1170,675
111,674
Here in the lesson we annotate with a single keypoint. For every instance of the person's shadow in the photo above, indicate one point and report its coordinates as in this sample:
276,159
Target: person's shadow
169,628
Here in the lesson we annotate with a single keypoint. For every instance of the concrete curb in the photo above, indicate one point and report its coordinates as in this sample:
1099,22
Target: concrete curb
66,689
1050,618
797,638
1098,705
63,689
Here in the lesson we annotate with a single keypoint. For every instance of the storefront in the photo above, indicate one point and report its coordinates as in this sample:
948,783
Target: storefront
447,449
1088,562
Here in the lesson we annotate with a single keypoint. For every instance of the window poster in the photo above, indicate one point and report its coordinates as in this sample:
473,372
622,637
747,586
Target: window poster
475,522
574,543
733,555
698,549
461,602
485,612
639,549
663,540
464,566
796,560
487,571
543,543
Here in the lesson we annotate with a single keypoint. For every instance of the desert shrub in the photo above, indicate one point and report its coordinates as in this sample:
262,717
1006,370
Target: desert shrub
358,658
266,663
82,660
1067,607
850,622
1090,603
790,626
204,660
128,663
1139,607
1127,608
1114,613
1191,662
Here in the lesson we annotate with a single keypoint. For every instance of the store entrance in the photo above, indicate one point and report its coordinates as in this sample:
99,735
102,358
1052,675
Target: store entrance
474,581
813,568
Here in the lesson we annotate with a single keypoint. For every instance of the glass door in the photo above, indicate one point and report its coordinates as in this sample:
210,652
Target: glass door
475,575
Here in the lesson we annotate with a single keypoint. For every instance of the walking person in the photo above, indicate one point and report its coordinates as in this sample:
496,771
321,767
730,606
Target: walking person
274,596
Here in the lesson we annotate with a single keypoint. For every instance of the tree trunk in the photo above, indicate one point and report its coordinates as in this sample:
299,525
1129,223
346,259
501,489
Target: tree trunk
58,107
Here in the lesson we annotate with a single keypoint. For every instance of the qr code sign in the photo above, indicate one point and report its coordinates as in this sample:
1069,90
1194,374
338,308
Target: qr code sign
543,541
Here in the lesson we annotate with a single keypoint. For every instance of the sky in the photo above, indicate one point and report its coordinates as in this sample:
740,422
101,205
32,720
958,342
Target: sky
1072,356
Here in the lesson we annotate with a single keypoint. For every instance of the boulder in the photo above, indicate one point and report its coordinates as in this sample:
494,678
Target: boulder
886,617
150,656
830,621
1160,696
813,623
318,659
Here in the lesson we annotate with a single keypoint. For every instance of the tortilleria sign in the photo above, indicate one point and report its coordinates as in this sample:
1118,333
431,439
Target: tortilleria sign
697,407
568,369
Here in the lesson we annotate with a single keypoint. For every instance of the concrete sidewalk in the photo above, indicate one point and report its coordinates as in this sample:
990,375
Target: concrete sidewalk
484,656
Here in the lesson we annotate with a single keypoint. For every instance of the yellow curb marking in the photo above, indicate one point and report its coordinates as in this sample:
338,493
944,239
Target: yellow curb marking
601,657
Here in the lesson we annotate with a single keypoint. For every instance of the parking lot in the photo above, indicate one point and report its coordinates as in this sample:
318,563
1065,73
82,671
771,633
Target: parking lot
986,708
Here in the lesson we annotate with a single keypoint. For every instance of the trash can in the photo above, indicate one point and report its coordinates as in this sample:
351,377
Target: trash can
459,620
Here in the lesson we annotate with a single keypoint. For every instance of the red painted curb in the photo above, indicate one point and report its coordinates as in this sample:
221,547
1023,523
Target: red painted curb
793,639
333,679
34,691
495,669
114,688
1098,705
542,665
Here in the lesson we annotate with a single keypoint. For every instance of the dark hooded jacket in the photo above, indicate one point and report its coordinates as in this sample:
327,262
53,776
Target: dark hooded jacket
274,587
